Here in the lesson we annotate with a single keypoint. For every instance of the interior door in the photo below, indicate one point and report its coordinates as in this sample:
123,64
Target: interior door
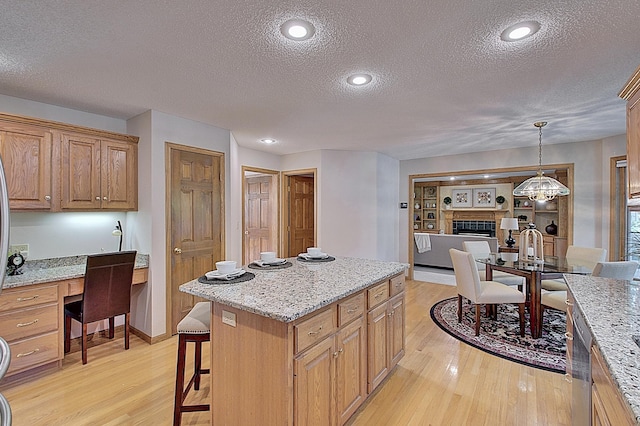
260,214
196,220
301,214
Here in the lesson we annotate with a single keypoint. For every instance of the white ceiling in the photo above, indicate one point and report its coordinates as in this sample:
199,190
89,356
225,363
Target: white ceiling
444,81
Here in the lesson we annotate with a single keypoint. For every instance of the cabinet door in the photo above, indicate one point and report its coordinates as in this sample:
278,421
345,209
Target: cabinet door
396,329
119,179
26,155
351,380
80,173
377,332
314,385
633,145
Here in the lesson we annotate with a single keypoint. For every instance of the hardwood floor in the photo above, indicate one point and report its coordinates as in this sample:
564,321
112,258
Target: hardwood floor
440,381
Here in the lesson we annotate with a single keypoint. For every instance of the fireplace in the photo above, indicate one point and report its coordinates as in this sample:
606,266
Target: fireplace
476,227
475,221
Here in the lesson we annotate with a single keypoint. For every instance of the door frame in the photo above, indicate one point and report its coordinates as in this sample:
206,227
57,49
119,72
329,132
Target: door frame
169,148
276,175
286,204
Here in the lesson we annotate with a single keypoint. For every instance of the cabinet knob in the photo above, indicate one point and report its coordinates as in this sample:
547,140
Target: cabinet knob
98,198
47,197
104,198
177,250
568,336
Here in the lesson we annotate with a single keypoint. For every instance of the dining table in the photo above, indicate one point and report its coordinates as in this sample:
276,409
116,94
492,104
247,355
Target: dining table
534,271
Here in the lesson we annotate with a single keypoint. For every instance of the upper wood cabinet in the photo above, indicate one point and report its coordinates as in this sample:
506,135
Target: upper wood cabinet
631,93
53,166
98,173
26,155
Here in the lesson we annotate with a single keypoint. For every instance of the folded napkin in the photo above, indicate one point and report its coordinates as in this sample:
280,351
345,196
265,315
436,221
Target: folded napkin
263,264
215,275
308,256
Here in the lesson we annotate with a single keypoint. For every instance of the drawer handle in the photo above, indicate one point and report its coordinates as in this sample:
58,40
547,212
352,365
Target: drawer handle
315,333
568,335
378,295
335,354
398,285
351,311
567,378
24,299
566,302
26,324
28,353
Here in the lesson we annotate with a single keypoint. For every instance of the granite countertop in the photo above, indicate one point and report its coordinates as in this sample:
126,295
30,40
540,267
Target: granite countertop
610,309
288,294
57,269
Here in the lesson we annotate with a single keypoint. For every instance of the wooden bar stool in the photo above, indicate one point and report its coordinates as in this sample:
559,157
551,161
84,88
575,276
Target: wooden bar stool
195,328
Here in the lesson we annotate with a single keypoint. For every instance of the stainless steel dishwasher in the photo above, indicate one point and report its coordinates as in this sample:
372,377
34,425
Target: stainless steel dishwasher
581,371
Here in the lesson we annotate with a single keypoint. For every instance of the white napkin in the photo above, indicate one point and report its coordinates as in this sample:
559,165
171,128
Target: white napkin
215,275
276,262
308,256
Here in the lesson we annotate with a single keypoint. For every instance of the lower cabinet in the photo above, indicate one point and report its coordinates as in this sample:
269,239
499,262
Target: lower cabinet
607,405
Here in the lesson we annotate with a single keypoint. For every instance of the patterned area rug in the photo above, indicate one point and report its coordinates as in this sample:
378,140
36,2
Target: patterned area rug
502,337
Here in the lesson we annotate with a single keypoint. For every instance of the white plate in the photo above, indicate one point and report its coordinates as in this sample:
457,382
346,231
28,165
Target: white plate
218,276
308,256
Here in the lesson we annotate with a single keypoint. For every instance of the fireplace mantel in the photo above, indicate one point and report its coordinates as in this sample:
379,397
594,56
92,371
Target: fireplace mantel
487,215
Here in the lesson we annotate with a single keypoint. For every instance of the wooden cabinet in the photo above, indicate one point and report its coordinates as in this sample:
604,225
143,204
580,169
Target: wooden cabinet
330,377
385,331
607,405
56,166
30,322
98,173
426,214
26,156
631,93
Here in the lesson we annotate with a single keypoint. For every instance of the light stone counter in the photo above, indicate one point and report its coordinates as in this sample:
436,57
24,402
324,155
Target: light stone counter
288,294
57,269
611,309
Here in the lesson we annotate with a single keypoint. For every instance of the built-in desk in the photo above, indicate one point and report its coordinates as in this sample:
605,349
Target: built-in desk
32,308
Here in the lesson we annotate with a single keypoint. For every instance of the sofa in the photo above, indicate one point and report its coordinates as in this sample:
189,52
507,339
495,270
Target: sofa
438,255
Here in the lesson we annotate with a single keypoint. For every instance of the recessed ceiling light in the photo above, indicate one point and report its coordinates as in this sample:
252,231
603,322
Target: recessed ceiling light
359,79
268,141
452,178
520,31
297,29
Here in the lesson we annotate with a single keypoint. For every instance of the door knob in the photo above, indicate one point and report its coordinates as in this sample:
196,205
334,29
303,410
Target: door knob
246,232
177,250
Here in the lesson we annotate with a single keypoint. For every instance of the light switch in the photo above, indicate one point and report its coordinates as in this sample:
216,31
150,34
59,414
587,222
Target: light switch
228,318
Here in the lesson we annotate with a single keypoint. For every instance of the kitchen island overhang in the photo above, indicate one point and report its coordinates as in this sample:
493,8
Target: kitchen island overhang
307,342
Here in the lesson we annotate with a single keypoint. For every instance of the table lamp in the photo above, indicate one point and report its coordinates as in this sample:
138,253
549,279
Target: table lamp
510,223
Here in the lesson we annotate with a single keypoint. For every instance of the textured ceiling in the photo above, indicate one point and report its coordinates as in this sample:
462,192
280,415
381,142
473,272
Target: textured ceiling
443,80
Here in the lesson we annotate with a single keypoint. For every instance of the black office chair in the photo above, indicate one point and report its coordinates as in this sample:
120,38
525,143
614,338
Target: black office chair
107,294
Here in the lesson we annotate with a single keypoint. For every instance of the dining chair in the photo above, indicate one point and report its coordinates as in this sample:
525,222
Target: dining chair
480,292
107,294
482,250
578,256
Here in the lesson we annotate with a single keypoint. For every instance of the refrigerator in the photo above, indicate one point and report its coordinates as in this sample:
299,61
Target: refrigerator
5,352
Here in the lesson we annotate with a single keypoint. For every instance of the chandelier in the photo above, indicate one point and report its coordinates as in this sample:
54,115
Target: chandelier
540,188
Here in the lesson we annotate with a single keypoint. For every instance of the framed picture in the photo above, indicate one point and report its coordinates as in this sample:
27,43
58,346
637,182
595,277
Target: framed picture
484,197
461,198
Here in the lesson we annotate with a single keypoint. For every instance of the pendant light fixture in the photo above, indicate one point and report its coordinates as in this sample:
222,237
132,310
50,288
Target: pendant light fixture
540,188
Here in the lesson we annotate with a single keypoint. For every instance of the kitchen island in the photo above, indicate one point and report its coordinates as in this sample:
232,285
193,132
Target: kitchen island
611,312
305,344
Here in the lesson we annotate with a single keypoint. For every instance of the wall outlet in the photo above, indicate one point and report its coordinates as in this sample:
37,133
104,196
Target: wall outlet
22,248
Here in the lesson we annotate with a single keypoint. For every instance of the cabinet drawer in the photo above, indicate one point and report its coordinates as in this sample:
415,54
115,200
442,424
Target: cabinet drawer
315,329
29,322
378,294
350,308
33,351
16,299
397,285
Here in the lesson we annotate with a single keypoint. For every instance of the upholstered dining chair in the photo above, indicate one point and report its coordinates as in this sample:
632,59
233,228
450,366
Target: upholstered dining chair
481,292
481,250
107,294
579,256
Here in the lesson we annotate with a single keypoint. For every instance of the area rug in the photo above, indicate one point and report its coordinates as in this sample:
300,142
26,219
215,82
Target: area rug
502,337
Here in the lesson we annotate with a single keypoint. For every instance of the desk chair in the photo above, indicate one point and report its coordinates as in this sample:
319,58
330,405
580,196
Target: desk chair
480,292
107,294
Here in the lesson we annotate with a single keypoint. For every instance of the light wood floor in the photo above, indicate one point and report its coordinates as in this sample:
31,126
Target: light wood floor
440,381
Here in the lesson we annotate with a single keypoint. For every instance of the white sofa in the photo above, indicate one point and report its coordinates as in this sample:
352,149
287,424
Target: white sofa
439,257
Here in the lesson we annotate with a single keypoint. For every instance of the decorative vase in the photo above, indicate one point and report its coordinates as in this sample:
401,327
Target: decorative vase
417,206
552,228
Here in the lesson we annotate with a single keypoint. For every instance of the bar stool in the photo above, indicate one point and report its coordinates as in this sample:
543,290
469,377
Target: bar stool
195,328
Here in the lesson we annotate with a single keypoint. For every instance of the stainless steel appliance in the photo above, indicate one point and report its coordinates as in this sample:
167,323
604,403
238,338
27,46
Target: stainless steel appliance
5,352
581,372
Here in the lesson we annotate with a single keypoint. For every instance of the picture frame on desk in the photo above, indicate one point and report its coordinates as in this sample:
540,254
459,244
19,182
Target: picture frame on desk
461,198
484,197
